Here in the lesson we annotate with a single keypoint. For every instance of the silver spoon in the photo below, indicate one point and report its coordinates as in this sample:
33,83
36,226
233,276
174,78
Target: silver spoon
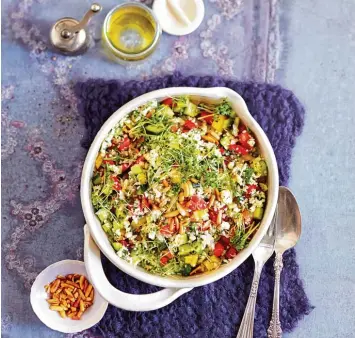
261,254
288,231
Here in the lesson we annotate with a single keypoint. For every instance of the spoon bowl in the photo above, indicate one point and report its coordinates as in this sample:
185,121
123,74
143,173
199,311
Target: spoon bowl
288,221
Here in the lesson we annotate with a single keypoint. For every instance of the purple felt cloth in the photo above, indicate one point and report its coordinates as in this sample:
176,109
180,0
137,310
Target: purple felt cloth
214,310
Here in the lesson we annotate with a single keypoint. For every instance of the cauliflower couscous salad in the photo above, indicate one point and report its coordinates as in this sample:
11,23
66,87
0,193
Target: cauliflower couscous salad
179,186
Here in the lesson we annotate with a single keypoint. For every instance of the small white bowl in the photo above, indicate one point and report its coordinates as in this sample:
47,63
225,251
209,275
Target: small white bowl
52,318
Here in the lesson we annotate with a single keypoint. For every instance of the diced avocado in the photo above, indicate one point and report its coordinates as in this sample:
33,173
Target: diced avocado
142,178
218,122
107,189
181,239
97,179
117,225
139,223
155,128
103,215
136,169
185,249
165,111
191,110
119,212
180,104
259,166
117,246
226,141
227,123
258,213
191,259
197,247
199,214
175,176
106,227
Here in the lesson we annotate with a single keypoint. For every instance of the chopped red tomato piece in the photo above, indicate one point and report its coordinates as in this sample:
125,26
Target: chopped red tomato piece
225,241
244,138
196,203
213,216
218,249
247,217
189,125
231,253
238,149
164,260
124,243
125,166
250,189
168,102
124,145
241,127
208,117
140,159
222,150
109,162
116,183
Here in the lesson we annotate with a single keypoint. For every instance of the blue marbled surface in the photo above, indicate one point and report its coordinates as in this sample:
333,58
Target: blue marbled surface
306,46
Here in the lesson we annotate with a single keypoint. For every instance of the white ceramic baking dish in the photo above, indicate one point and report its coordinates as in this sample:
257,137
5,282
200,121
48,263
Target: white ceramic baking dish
174,286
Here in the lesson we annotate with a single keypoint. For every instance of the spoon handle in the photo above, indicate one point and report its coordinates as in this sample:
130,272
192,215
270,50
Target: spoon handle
247,325
274,330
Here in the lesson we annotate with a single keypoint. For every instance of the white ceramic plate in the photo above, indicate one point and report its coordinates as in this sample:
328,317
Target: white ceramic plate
52,318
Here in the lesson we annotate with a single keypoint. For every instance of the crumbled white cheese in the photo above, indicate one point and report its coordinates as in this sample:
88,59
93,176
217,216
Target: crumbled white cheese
122,196
225,226
111,167
152,234
192,237
226,196
197,137
149,106
155,215
118,232
157,193
153,155
207,240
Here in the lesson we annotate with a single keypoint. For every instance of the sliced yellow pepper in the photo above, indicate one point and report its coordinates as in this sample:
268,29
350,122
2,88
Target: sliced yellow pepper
98,161
219,122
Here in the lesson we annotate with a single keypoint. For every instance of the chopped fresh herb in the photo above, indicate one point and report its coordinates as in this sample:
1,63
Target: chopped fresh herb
225,108
248,173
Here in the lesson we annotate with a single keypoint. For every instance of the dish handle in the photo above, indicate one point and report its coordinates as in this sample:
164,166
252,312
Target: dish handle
122,300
